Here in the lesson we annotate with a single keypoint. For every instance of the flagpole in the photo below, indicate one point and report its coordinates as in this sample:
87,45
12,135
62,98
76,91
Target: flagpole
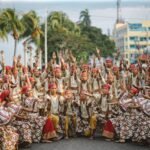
46,40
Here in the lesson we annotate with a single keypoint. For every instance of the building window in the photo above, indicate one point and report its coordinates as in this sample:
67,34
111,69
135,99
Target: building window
132,46
136,27
126,55
143,46
143,39
133,38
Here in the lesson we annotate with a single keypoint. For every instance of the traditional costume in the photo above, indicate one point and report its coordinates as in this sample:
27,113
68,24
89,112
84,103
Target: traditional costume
8,134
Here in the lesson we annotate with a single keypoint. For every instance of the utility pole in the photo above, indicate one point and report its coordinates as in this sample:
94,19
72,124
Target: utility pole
119,18
118,10
40,58
46,39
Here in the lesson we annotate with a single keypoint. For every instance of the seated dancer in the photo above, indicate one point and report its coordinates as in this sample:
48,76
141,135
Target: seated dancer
100,107
124,124
15,84
116,86
60,80
45,128
20,121
8,134
5,82
49,132
55,102
108,67
37,82
95,80
84,82
69,114
142,132
73,82
83,123
37,122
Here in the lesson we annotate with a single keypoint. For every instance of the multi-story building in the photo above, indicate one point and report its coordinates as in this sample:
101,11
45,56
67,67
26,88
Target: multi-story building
132,39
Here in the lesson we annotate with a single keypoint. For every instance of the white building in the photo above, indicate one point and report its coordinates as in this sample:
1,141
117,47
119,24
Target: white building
132,39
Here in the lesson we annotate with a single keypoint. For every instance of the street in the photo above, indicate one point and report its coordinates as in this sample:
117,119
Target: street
86,144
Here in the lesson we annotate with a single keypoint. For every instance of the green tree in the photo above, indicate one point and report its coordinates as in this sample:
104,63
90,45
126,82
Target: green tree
99,39
85,18
81,40
33,31
10,23
59,22
56,21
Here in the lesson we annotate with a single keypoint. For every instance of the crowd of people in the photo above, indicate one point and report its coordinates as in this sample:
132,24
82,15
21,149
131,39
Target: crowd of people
71,99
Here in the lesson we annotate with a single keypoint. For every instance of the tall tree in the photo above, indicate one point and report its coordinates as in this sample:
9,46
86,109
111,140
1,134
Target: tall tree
56,20
59,21
10,23
85,18
33,31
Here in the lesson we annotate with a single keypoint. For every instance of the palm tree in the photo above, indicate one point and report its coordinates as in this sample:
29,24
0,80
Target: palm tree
33,31
10,23
3,32
59,21
56,20
85,18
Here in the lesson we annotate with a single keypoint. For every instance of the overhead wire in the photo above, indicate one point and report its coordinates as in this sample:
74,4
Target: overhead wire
111,17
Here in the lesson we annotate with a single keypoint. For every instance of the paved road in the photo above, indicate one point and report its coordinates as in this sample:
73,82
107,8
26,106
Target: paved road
87,144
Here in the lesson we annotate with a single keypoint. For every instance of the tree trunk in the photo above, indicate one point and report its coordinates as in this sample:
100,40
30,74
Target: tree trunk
31,60
40,58
25,55
15,48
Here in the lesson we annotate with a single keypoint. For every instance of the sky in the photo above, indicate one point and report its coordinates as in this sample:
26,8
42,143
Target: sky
102,12
69,0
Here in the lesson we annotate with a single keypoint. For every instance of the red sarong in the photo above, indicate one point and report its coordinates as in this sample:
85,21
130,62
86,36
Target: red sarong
48,127
109,130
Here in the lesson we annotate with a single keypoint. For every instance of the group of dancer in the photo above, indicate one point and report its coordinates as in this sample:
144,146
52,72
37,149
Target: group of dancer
72,99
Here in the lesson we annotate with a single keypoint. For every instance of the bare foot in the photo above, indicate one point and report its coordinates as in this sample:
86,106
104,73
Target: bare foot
46,141
108,140
66,137
120,141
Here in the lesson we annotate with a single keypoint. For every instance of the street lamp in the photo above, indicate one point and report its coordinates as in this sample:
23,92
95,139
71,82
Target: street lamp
39,57
46,39
2,56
